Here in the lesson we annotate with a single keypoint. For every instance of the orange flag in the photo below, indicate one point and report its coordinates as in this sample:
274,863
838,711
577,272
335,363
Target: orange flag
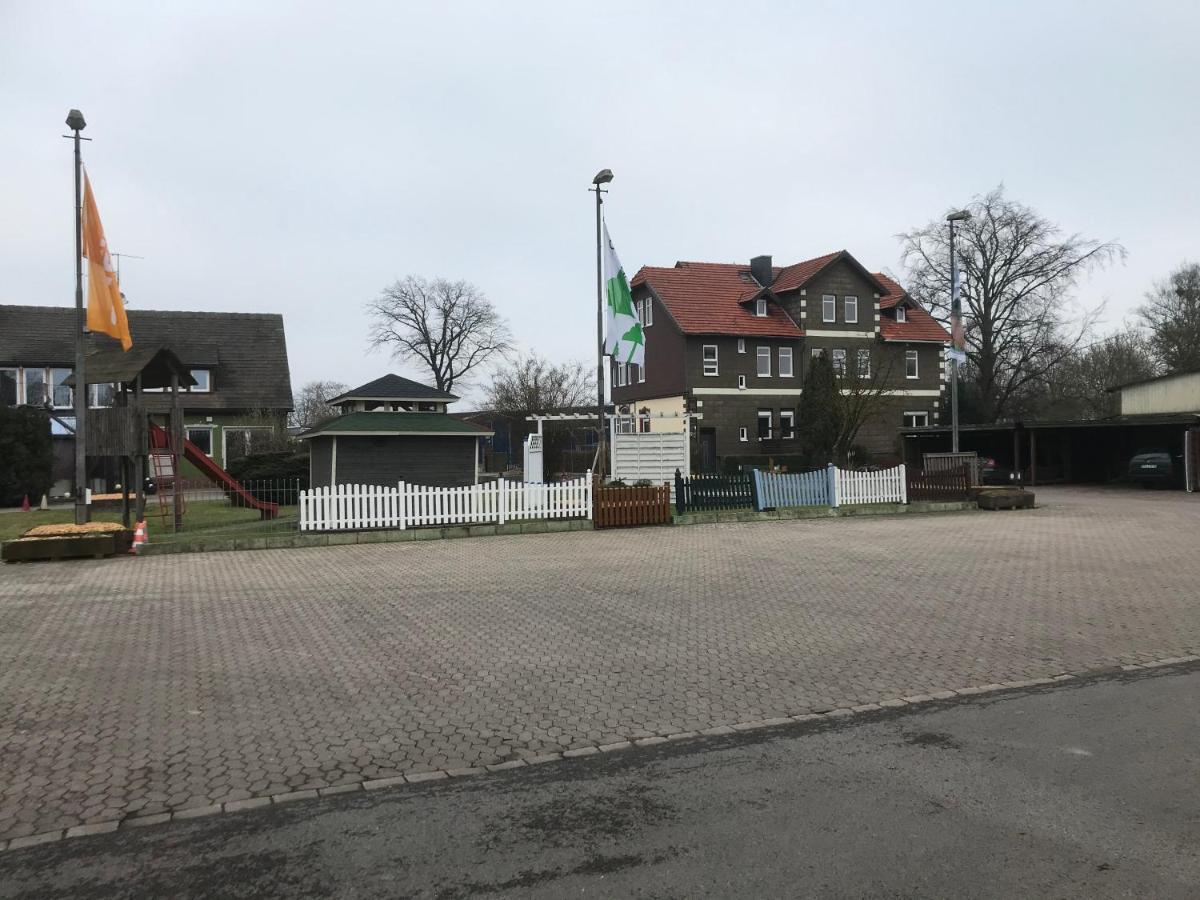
105,309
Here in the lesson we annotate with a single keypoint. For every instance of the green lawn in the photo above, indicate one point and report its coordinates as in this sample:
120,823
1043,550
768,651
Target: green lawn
200,517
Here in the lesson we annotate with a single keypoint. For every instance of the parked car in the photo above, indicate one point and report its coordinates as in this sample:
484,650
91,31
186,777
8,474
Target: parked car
991,473
1155,467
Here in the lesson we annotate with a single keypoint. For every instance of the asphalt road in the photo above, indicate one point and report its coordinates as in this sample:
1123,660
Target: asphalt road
1088,790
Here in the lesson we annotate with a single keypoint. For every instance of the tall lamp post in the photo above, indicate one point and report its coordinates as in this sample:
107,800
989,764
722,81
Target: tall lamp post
76,123
603,177
956,328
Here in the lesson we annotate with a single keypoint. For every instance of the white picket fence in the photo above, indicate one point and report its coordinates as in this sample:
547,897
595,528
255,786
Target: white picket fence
358,506
830,486
885,486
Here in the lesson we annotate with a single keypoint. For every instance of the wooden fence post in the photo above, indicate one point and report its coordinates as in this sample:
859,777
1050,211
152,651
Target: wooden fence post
831,471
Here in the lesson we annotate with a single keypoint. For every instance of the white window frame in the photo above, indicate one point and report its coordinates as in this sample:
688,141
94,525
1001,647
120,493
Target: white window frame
23,387
641,370
911,356
623,369
196,389
94,394
743,434
741,382
818,351
50,388
762,352
864,371
741,345
828,308
647,311
849,305
916,414
760,307
786,353
713,364
901,314
834,357
787,424
233,429
209,428
769,415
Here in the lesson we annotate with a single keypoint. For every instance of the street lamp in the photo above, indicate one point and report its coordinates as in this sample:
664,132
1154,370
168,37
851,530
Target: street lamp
956,328
603,177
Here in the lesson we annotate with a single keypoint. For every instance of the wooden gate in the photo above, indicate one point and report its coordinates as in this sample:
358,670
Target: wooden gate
622,507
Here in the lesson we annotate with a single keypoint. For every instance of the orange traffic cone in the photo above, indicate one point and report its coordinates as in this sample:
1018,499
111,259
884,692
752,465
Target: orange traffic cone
25,504
139,536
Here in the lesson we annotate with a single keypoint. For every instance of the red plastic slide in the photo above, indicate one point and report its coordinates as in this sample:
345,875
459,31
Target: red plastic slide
200,459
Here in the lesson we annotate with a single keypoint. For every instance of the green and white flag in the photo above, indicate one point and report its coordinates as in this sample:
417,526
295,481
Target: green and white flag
623,331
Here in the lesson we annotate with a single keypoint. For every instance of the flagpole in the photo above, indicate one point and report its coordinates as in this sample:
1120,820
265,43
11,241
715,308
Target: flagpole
76,123
604,176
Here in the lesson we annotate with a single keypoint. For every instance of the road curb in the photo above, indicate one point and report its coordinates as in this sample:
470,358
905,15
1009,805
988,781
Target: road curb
881,707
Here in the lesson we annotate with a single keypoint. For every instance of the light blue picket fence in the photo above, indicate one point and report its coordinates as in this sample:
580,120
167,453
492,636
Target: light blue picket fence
830,486
774,490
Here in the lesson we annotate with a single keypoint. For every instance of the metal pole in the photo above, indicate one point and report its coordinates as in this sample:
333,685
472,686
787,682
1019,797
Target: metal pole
600,435
81,507
955,317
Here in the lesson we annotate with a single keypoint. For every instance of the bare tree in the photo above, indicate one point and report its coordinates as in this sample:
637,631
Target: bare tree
1078,387
532,383
1172,312
863,392
1019,272
311,404
448,326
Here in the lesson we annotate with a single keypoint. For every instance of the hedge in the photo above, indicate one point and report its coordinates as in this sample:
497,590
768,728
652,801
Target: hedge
26,455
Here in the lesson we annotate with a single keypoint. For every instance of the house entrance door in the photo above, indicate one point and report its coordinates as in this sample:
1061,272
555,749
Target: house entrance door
708,449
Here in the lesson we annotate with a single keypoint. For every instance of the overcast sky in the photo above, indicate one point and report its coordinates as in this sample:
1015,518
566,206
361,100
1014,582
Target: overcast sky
296,157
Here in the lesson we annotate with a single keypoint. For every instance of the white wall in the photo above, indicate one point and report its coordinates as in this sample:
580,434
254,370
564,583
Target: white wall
653,456
1177,394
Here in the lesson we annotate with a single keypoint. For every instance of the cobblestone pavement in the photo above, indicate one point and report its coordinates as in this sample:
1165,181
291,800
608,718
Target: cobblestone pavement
132,688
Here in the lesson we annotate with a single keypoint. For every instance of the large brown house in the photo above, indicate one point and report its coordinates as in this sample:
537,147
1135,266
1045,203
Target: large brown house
733,342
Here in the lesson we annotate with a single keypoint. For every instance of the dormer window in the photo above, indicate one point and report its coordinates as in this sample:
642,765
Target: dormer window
901,314
760,307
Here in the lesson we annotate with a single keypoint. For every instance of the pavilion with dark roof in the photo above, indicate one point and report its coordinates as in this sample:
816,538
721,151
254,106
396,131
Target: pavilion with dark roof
390,430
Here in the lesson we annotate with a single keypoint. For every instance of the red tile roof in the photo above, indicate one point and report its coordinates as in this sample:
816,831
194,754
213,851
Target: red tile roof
794,276
711,298
919,325
704,298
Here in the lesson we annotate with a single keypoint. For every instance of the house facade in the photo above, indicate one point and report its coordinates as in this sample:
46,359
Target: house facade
239,361
394,429
733,342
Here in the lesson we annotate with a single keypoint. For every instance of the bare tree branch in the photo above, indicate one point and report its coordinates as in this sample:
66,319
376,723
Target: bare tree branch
1019,272
1172,313
449,327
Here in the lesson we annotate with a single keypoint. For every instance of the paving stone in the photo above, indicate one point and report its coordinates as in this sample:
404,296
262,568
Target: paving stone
458,677
377,783
33,840
580,751
94,828
197,812
418,777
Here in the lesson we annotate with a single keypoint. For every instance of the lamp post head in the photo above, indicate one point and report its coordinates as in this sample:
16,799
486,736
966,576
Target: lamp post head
961,216
604,176
75,120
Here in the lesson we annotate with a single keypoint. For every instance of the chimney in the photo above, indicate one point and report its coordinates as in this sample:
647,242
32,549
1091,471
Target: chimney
760,270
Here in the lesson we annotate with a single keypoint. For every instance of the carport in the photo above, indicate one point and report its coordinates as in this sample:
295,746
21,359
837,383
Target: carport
1068,452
